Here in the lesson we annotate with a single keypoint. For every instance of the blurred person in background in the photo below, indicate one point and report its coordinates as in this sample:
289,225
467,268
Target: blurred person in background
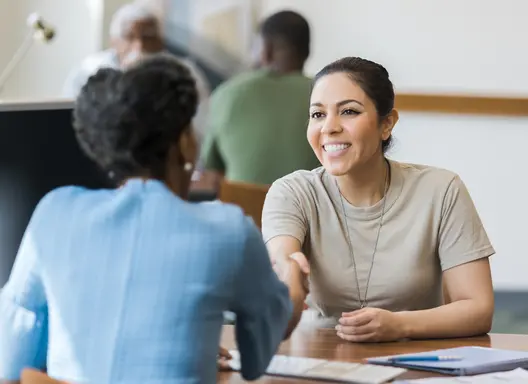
135,34
257,120
129,285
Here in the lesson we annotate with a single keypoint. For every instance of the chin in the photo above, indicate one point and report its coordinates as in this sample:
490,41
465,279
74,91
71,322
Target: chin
336,170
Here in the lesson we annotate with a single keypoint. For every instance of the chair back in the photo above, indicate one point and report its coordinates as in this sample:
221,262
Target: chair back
250,197
32,376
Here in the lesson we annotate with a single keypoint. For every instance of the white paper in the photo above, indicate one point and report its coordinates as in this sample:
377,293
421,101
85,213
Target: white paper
310,368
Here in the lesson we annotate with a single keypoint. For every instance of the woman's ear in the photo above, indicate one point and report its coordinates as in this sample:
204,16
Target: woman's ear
388,124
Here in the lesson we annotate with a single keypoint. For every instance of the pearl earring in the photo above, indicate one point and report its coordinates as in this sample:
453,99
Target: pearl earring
188,167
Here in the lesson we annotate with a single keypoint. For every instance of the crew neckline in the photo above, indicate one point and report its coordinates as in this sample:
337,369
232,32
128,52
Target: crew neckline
374,211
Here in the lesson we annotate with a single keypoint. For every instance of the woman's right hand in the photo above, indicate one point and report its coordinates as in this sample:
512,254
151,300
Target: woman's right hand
293,271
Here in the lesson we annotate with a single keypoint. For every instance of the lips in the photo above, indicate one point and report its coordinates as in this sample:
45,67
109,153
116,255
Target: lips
336,147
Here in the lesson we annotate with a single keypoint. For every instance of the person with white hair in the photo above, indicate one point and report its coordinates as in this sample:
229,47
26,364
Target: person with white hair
135,34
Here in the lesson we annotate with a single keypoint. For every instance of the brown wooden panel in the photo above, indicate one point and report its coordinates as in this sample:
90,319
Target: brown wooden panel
462,104
247,196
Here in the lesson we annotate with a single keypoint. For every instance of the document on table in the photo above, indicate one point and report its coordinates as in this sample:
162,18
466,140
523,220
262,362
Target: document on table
516,376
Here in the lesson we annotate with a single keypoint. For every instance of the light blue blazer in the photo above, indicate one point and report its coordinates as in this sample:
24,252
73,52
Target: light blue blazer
130,286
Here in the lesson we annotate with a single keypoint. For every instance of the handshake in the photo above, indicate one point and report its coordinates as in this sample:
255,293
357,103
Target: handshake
294,271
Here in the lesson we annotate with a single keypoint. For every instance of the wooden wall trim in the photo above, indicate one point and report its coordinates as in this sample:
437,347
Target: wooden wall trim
461,104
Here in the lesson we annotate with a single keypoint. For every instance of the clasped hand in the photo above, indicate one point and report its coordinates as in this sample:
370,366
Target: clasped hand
370,325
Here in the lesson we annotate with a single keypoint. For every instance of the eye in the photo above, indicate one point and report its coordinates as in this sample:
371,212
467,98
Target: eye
316,115
350,112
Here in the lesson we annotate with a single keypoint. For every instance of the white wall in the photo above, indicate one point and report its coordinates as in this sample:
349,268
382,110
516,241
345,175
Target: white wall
447,46
434,45
43,71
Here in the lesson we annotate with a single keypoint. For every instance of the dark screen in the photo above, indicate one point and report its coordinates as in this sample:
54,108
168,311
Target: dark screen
38,152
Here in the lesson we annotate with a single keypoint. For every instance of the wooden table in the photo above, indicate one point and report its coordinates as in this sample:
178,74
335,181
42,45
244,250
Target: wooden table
324,344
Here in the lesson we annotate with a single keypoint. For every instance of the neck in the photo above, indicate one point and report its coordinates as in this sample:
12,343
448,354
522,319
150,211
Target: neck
365,186
175,184
285,68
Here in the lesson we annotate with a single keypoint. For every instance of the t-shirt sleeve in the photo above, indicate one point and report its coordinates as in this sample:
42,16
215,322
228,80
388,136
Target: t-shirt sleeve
283,213
462,237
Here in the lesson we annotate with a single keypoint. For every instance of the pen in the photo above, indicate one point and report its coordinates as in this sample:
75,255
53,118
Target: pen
424,358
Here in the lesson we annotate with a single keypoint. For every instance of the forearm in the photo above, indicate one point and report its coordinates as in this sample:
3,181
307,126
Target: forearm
297,299
287,259
294,279
462,318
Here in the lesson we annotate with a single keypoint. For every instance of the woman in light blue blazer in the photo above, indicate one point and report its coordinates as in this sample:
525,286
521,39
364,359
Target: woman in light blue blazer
129,285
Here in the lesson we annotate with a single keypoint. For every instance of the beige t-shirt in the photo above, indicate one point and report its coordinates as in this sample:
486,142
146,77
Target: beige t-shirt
430,225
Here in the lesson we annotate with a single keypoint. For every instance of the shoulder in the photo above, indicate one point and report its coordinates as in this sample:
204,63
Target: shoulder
240,83
302,178
87,67
98,60
301,185
435,177
60,196
223,218
58,200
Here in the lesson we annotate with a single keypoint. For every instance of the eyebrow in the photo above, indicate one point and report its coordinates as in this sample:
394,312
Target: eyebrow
339,104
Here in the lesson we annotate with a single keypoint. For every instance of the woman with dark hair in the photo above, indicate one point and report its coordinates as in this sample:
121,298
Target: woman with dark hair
391,250
130,285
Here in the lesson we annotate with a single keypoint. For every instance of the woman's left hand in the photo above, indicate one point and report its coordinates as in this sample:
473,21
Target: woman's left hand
370,325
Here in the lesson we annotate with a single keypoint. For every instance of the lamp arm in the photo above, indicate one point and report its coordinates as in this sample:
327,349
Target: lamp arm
16,59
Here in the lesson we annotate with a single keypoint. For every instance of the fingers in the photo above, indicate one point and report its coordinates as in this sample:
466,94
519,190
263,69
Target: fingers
224,353
301,260
356,324
361,318
223,359
359,330
367,337
223,365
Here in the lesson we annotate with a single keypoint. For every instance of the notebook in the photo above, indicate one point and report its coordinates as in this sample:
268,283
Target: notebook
320,369
516,376
475,360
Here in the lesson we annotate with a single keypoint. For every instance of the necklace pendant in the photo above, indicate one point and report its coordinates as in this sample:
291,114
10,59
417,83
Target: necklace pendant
363,305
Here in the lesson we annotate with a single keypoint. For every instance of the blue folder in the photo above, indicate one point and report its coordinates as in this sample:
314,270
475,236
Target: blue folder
475,360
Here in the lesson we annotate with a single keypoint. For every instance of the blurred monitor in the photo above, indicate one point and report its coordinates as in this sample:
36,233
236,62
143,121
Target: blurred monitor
38,152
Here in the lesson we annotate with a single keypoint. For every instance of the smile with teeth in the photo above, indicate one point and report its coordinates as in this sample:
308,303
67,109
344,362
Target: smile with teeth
335,147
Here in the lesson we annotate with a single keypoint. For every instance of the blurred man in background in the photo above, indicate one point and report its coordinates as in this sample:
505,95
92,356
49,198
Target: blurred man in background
257,120
135,34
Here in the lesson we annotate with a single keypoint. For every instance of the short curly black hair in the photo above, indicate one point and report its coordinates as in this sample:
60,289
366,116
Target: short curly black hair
127,121
291,29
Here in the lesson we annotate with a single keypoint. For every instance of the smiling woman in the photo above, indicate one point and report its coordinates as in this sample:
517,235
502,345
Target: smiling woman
378,239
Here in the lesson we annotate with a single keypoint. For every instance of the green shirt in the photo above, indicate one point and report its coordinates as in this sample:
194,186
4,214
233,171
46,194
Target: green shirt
257,131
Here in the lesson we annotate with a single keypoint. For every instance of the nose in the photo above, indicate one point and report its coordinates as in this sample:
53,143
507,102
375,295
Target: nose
331,125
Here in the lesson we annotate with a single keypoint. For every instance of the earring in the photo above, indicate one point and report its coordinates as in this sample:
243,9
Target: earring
188,167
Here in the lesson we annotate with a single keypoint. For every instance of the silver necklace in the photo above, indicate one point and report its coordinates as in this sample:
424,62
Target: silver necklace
364,303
